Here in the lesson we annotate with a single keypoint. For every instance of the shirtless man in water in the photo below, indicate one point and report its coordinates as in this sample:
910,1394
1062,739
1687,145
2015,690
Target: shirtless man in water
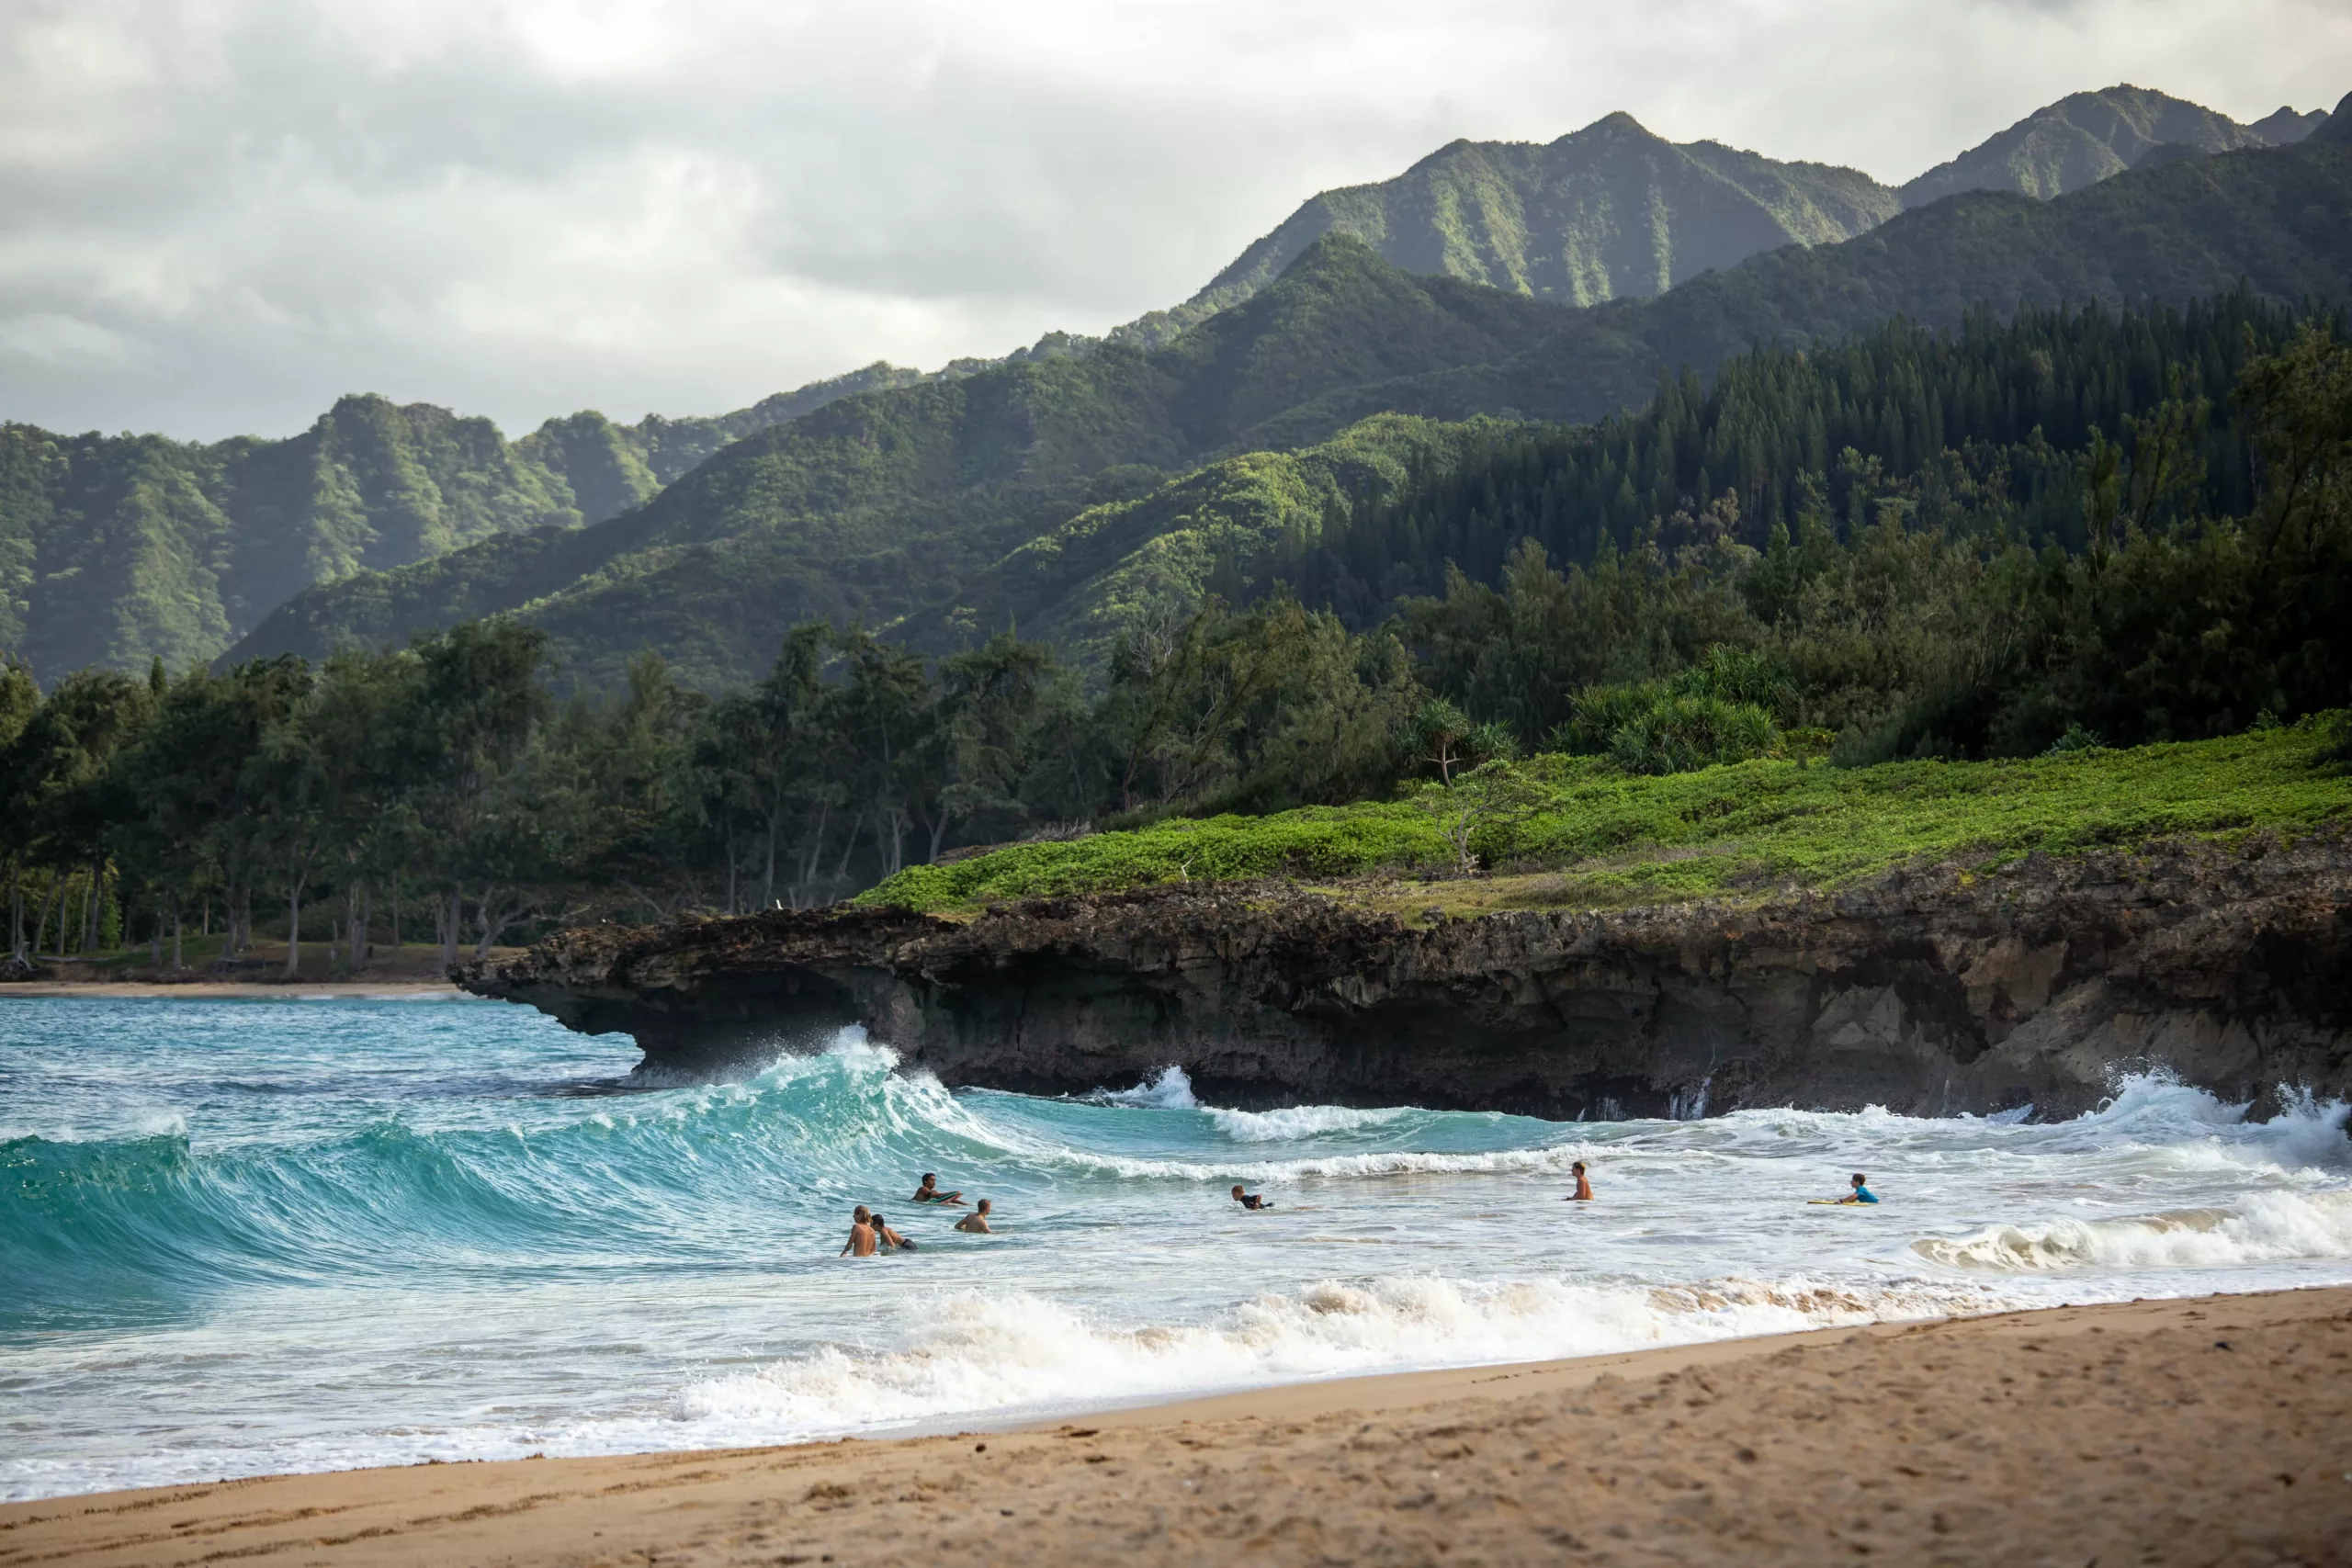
929,1191
1584,1187
976,1222
891,1240
860,1234
1249,1199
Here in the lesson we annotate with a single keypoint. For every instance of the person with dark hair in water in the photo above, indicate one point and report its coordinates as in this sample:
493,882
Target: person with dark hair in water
929,1191
862,1240
890,1240
1249,1199
1584,1187
1861,1192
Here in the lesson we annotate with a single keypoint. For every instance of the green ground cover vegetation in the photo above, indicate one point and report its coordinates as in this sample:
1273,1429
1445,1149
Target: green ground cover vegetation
1606,837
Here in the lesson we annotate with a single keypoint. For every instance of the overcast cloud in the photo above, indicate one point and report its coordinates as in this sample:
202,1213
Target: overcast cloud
217,215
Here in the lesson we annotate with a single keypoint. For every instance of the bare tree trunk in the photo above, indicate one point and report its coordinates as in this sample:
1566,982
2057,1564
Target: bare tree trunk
175,935
730,874
294,927
457,912
396,913
849,848
41,931
159,936
90,908
767,876
17,911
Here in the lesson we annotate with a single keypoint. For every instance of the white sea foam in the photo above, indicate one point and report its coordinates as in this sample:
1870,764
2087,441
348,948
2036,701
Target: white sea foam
1170,1090
2262,1227
1301,1121
1022,1352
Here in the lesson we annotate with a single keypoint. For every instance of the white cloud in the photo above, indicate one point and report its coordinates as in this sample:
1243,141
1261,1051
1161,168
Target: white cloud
222,213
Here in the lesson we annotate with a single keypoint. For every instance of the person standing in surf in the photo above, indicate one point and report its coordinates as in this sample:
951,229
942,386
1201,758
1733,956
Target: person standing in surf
1584,1185
976,1222
862,1242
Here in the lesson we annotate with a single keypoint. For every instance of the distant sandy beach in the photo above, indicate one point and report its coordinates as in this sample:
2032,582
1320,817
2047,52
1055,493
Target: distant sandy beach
200,990
2214,1430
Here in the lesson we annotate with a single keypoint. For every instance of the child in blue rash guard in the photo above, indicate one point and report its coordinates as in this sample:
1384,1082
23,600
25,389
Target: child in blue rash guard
1861,1192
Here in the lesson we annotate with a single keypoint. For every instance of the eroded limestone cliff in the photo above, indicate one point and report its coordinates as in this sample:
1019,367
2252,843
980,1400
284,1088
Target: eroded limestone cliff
1929,991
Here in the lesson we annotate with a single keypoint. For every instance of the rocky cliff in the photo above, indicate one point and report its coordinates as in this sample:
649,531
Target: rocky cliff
1929,991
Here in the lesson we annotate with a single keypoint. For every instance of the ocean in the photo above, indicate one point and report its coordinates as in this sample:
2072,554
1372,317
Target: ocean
240,1238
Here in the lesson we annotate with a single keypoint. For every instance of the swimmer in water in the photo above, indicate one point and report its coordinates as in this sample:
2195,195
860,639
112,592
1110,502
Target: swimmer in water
929,1191
976,1222
1861,1192
1584,1186
891,1240
861,1235
1249,1199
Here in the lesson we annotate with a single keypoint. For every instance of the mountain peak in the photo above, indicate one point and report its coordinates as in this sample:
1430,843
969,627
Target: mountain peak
1617,122
1605,213
2079,140
2336,129
2287,125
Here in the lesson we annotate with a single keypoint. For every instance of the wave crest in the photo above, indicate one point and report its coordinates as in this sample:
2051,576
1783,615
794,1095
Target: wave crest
2266,1227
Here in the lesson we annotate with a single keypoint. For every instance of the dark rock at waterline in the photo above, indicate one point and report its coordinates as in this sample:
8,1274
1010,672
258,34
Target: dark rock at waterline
1927,991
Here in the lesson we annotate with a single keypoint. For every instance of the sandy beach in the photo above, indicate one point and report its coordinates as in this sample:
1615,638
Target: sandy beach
2212,1431
207,990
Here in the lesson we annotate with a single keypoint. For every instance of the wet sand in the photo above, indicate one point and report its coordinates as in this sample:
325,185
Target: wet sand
2212,1431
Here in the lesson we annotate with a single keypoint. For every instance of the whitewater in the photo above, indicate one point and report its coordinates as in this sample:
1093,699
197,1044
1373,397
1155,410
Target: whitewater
240,1238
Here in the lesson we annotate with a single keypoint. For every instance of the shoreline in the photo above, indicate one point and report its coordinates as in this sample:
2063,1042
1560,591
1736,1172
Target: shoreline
2195,1428
205,990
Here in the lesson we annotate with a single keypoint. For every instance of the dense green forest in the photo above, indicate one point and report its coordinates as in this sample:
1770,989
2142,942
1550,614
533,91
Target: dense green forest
944,513
2081,529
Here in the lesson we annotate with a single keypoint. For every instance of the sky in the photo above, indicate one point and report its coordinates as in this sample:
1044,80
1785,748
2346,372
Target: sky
216,216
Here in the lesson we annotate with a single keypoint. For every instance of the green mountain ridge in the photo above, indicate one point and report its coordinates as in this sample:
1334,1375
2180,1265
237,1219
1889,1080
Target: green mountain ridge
1041,494
114,549
1613,211
2085,138
1607,213
883,504
117,548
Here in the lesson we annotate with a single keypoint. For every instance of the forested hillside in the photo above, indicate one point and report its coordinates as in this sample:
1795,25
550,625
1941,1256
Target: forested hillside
948,512
114,549
885,503
2076,530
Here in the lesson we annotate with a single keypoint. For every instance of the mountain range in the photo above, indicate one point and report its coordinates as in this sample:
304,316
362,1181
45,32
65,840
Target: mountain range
1080,481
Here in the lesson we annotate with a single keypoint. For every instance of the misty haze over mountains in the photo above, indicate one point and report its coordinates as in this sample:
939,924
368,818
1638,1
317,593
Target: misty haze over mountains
116,550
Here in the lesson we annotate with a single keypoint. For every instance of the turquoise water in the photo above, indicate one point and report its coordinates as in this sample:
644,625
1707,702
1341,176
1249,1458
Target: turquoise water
247,1237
